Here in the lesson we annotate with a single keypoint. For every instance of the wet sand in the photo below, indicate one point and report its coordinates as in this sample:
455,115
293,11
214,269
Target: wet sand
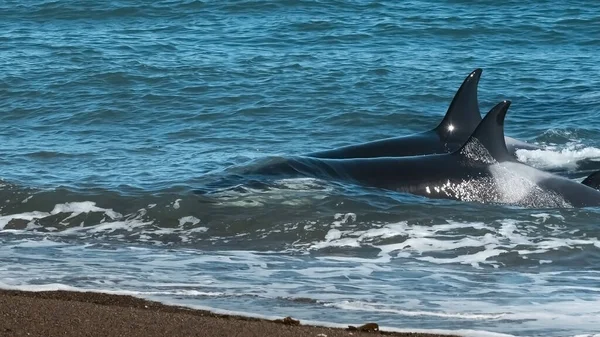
64,313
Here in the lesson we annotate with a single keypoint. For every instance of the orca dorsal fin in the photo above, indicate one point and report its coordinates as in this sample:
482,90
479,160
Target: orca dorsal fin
593,180
463,115
487,141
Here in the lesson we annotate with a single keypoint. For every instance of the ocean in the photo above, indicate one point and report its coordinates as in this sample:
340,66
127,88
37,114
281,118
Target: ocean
116,115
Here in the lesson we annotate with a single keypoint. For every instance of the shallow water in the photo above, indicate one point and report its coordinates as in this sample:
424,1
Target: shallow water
115,114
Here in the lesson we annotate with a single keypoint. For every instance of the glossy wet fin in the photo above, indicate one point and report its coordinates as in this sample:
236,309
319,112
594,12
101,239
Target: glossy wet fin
463,115
489,135
593,180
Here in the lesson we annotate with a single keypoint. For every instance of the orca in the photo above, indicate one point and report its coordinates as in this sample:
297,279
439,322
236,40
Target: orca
458,124
481,170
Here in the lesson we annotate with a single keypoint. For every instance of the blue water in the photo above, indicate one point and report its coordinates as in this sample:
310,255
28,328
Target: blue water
114,113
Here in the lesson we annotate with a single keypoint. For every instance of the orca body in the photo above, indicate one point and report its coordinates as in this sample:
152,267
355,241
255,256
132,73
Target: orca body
482,170
458,124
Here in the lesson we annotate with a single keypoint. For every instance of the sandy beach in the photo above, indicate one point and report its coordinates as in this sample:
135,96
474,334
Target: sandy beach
63,313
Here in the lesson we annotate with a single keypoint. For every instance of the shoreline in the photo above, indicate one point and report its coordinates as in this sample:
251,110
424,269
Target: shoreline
73,313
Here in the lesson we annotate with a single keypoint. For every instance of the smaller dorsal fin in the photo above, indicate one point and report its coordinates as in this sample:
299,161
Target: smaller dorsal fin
489,134
593,180
463,115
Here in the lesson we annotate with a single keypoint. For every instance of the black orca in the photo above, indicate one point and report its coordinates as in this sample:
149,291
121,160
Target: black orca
458,124
482,170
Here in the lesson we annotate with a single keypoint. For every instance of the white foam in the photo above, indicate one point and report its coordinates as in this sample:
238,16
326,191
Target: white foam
302,184
459,332
176,204
344,218
77,208
510,231
189,219
480,246
333,239
346,284
45,242
473,259
553,158
40,287
59,286
112,226
370,307
113,222
158,295
5,219
547,216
